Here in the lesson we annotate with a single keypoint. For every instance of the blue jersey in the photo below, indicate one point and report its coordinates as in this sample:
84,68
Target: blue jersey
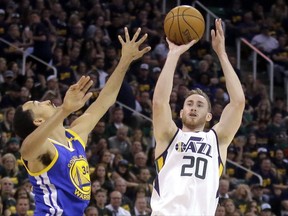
63,187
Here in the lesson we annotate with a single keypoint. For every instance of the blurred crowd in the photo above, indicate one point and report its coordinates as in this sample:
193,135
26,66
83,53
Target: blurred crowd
80,38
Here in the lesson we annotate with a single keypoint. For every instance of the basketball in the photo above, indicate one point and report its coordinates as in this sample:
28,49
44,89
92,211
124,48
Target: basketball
183,24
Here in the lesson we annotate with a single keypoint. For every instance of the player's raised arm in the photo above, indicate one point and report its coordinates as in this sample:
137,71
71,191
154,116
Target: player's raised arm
163,125
48,119
107,97
232,114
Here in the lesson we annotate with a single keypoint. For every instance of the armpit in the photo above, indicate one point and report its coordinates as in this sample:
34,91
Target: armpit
45,159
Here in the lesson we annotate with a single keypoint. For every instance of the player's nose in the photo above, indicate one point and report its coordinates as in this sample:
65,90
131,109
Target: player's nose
193,108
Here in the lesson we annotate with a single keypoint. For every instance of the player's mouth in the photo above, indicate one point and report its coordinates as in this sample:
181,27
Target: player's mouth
193,114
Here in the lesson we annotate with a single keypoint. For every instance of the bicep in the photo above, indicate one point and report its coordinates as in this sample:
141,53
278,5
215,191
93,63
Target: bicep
229,123
164,127
32,151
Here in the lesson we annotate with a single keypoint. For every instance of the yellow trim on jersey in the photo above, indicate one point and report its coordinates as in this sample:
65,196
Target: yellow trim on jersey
46,169
70,148
65,146
160,163
221,167
76,136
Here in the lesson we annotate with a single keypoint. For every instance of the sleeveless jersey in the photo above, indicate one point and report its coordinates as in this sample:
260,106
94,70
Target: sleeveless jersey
188,174
63,187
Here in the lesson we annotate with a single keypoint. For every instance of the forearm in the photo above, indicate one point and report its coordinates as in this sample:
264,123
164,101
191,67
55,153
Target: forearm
104,101
111,89
233,84
225,128
164,84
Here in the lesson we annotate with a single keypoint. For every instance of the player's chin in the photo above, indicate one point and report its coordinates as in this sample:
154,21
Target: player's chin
193,118
190,121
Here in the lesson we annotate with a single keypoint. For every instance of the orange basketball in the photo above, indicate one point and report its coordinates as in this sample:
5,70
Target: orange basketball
184,23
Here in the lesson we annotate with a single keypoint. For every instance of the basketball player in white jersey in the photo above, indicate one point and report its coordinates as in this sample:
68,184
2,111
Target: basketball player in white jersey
190,161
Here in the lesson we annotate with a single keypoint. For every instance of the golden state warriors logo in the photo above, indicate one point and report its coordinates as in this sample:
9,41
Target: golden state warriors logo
79,175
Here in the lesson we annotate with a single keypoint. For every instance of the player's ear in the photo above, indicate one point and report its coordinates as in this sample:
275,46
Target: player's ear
38,121
209,116
181,113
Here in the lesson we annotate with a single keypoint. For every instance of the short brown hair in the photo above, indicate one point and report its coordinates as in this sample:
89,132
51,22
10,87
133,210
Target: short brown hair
202,93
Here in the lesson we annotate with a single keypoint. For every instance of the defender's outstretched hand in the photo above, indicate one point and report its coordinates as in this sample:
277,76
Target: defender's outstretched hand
76,96
218,37
130,48
179,49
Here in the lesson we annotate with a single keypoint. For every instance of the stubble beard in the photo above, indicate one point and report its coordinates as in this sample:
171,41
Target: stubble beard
192,123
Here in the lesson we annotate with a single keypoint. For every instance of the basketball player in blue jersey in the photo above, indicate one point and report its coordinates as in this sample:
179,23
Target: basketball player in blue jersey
55,156
190,161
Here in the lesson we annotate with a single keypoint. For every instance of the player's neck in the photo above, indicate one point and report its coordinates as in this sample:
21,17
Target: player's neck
194,128
59,135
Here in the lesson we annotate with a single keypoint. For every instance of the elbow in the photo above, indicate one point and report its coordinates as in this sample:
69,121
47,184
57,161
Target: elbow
242,100
240,103
159,99
24,153
157,103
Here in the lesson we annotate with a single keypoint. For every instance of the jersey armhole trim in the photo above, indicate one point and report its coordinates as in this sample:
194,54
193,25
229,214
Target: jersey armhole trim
46,169
76,136
168,145
221,162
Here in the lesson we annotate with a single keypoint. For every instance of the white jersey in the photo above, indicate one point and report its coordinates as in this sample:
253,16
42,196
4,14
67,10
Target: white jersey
188,174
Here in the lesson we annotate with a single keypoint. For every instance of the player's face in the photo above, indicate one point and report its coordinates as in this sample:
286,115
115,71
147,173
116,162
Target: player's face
195,111
44,109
